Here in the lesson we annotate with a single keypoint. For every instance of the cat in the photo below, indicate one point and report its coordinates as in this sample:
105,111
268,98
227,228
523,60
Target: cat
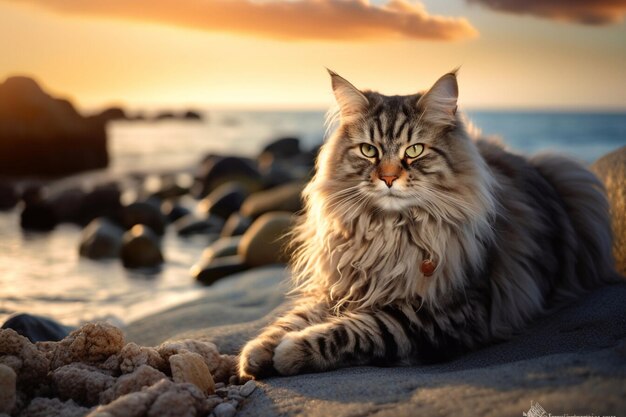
421,241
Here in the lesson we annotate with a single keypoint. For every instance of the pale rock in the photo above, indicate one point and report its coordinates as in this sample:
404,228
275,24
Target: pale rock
191,367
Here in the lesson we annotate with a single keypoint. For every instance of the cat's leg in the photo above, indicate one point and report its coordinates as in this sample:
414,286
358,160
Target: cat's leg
354,339
255,359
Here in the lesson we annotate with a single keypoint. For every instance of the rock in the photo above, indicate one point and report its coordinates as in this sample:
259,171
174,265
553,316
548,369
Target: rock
219,170
173,211
192,115
101,239
141,248
37,329
8,196
171,187
33,193
224,410
102,201
81,383
42,135
282,148
207,272
263,243
23,357
163,399
190,367
48,407
221,248
223,201
193,225
247,388
219,365
67,205
165,115
111,114
611,169
133,356
143,376
236,225
90,344
143,213
283,198
8,380
39,217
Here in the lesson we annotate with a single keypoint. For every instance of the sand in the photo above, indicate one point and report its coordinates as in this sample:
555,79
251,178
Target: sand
570,362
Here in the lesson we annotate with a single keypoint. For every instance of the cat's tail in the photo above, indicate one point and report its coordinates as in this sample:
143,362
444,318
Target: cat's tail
585,201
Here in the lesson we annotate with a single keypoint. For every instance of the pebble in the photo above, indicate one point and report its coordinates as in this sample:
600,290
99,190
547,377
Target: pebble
247,388
219,385
190,367
224,410
222,392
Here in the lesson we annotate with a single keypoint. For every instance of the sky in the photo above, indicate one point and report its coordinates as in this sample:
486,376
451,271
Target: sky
539,54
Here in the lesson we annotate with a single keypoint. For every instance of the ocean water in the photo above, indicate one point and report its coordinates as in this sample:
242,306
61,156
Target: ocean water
43,274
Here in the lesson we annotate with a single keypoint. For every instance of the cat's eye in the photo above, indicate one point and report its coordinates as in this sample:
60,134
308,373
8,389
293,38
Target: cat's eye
414,151
369,150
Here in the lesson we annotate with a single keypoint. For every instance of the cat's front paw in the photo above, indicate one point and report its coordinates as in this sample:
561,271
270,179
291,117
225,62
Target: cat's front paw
293,355
255,360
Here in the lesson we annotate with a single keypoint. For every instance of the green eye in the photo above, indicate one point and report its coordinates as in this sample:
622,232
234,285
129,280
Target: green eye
414,151
369,150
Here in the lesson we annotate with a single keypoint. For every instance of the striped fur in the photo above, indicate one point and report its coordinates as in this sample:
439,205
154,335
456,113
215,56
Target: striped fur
510,238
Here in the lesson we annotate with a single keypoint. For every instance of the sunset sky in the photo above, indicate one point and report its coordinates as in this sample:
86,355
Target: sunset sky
512,53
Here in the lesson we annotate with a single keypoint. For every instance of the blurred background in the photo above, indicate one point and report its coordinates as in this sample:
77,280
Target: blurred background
200,120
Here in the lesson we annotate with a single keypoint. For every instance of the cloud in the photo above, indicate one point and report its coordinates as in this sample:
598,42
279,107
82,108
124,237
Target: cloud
589,12
280,19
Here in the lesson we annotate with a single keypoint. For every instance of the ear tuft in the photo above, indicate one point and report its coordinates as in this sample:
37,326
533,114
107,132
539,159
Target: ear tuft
350,100
439,104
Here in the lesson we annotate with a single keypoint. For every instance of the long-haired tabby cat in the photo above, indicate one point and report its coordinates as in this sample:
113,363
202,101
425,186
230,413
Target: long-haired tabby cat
420,242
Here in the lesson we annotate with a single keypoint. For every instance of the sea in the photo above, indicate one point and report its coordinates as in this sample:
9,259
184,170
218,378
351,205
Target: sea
42,274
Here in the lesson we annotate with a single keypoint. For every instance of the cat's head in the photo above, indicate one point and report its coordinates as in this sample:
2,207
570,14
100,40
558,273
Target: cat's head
391,153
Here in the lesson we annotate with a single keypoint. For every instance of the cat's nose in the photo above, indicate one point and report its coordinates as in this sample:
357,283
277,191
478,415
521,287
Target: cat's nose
388,179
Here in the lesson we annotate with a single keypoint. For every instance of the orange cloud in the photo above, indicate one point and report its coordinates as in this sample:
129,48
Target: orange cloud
590,12
280,19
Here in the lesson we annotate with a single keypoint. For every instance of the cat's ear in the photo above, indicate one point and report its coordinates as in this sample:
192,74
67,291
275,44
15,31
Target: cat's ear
439,104
350,100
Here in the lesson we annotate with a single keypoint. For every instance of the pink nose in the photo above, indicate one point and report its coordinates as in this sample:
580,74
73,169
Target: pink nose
388,179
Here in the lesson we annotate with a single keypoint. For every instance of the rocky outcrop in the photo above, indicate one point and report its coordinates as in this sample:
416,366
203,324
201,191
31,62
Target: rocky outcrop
45,136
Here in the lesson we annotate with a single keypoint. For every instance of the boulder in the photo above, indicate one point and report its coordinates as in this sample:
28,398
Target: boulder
146,213
215,171
9,196
33,193
192,115
111,114
283,198
193,225
141,248
611,169
282,148
225,246
224,200
208,272
102,201
39,217
101,239
46,136
36,328
236,225
67,204
264,242
173,211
